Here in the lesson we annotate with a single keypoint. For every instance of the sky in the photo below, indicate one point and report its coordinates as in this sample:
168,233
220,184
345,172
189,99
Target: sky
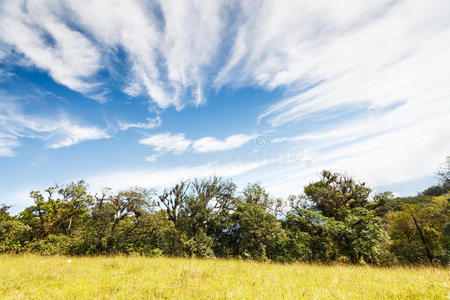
145,93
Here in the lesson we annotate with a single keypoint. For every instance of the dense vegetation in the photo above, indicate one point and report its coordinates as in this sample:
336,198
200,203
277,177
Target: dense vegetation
335,219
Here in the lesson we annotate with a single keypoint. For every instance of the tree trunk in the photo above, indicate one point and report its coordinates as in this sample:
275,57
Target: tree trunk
422,237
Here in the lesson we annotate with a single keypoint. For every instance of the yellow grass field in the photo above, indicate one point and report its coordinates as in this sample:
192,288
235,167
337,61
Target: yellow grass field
41,277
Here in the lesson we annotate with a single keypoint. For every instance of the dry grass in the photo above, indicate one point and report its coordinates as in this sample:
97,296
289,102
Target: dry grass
38,277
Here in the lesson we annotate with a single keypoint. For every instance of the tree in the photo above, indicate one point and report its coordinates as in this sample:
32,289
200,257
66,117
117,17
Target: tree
444,172
334,219
444,179
309,234
436,190
205,215
418,231
257,195
209,202
59,210
172,200
335,211
116,218
334,191
4,215
13,233
256,234
360,236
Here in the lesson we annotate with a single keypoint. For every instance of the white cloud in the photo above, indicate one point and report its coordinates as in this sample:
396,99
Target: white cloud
210,144
58,131
71,134
176,143
388,57
7,143
151,123
373,53
163,58
70,58
383,63
132,26
395,156
401,155
147,39
191,39
168,176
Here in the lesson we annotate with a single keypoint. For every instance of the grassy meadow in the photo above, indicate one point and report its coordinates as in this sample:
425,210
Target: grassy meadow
119,277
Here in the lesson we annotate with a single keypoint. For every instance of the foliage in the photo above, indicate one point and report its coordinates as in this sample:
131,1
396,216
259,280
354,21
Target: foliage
334,191
60,211
359,236
12,235
335,219
256,233
418,231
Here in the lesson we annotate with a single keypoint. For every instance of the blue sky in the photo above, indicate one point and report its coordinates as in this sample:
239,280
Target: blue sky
124,93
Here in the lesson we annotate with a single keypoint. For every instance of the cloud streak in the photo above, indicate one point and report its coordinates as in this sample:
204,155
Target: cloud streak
56,132
36,30
162,178
167,142
210,144
150,124
344,54
178,143
383,63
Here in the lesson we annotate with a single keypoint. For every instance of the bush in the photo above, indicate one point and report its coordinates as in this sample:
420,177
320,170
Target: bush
256,233
52,245
13,235
199,245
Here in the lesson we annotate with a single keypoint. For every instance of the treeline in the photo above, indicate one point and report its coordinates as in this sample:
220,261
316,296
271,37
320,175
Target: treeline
334,219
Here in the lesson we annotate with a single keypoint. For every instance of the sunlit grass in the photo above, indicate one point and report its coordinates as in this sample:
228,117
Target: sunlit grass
30,276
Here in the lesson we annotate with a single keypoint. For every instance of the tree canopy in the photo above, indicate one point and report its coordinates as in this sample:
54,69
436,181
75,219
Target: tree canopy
336,218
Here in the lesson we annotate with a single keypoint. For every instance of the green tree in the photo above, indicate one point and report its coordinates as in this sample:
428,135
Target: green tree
359,236
60,211
13,234
418,231
256,234
340,220
206,215
257,195
334,191
117,219
4,215
310,237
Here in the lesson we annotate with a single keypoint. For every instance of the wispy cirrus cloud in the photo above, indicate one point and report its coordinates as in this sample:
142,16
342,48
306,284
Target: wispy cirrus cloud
36,30
68,133
178,143
210,144
384,59
150,124
387,58
370,59
189,57
74,40
168,176
346,54
394,156
167,142
57,132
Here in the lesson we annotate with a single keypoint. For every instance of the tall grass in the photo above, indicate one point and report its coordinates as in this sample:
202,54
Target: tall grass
31,276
